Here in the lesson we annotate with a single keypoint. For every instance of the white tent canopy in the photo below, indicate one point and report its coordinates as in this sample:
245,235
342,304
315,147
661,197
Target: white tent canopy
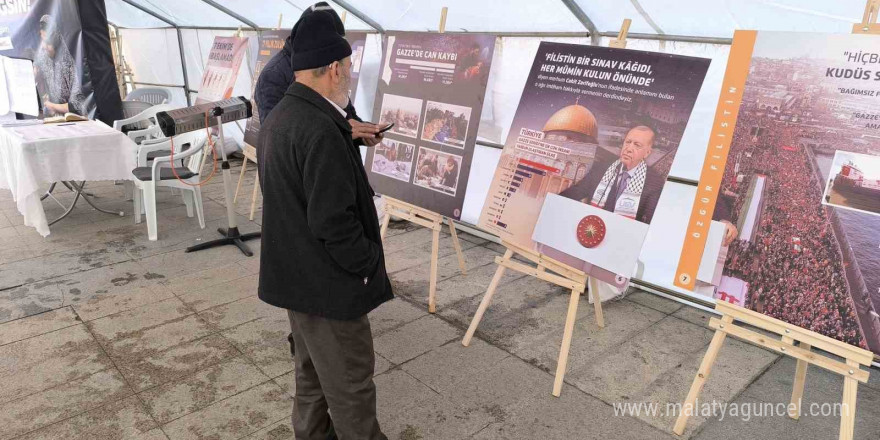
682,18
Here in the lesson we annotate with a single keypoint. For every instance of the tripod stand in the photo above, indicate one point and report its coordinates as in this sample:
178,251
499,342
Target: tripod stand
231,235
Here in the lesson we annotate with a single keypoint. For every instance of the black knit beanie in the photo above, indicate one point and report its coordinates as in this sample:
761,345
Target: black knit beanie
323,8
317,42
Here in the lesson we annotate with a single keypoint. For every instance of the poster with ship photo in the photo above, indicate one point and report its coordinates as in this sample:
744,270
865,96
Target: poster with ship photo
588,153
796,147
271,42
431,87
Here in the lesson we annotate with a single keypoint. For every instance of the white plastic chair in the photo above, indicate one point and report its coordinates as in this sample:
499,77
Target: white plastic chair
159,174
146,123
152,95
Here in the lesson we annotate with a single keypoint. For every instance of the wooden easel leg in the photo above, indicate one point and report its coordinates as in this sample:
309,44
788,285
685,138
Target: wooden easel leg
457,244
435,250
487,299
562,363
687,407
385,219
797,392
240,179
848,410
597,302
254,197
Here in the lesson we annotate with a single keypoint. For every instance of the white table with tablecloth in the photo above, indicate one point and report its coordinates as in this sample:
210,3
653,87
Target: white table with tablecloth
34,156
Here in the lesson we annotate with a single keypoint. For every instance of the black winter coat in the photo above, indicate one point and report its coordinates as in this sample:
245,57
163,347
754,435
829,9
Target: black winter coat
277,75
321,250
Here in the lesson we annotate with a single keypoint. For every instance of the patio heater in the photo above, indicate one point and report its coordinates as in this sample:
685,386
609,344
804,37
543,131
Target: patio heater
201,117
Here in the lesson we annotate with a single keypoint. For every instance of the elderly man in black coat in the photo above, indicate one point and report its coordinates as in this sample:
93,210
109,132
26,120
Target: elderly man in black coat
277,75
321,256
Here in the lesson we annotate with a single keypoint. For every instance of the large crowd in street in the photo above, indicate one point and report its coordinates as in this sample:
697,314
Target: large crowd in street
793,265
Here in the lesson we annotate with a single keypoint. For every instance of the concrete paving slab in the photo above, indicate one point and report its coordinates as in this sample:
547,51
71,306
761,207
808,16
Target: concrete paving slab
196,391
120,420
175,362
445,367
100,305
264,342
638,362
55,404
414,282
50,360
737,366
655,302
415,338
148,330
393,314
238,312
235,417
218,294
36,325
572,415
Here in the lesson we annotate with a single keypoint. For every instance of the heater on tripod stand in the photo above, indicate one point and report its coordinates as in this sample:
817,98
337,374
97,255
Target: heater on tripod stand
201,117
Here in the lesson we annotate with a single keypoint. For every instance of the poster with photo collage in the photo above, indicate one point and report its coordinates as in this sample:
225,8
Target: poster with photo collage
431,88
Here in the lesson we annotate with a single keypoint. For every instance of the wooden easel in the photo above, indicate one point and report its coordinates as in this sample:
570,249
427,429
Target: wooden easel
620,41
790,334
869,23
432,221
428,219
545,269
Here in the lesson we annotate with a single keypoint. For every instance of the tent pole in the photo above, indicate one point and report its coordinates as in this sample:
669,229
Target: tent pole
179,44
183,66
232,14
357,13
584,19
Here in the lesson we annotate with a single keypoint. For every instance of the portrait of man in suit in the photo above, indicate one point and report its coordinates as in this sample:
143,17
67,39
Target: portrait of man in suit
626,185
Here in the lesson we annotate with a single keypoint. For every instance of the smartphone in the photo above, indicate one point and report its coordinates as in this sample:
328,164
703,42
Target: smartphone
386,128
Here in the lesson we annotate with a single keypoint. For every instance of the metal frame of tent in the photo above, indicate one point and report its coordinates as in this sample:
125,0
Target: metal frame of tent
591,30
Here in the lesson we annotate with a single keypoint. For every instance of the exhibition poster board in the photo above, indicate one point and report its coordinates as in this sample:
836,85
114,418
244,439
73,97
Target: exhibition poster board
796,147
358,41
221,70
588,152
271,42
431,88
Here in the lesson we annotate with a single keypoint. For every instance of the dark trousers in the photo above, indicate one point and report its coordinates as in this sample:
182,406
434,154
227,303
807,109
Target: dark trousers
334,374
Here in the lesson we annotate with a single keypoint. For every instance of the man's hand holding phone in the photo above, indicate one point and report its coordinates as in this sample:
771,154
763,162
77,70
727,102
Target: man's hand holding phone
371,134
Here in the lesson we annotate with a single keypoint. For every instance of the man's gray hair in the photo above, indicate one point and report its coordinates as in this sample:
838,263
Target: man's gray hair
321,71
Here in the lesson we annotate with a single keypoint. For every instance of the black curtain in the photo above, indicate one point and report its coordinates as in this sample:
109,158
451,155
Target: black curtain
99,59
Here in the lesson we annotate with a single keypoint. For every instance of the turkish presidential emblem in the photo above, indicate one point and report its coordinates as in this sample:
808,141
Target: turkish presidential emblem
591,231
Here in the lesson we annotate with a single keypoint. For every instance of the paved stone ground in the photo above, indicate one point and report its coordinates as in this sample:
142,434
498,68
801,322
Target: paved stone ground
105,335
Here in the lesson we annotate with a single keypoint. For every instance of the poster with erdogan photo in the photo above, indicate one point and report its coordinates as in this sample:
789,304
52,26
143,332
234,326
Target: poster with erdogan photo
588,152
431,88
271,42
795,151
49,32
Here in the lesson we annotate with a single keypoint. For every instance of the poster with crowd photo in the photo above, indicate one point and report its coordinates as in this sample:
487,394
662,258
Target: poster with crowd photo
431,88
588,153
49,32
796,148
221,70
271,42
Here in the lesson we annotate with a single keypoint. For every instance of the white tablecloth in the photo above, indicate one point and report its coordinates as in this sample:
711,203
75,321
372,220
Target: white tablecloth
33,156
